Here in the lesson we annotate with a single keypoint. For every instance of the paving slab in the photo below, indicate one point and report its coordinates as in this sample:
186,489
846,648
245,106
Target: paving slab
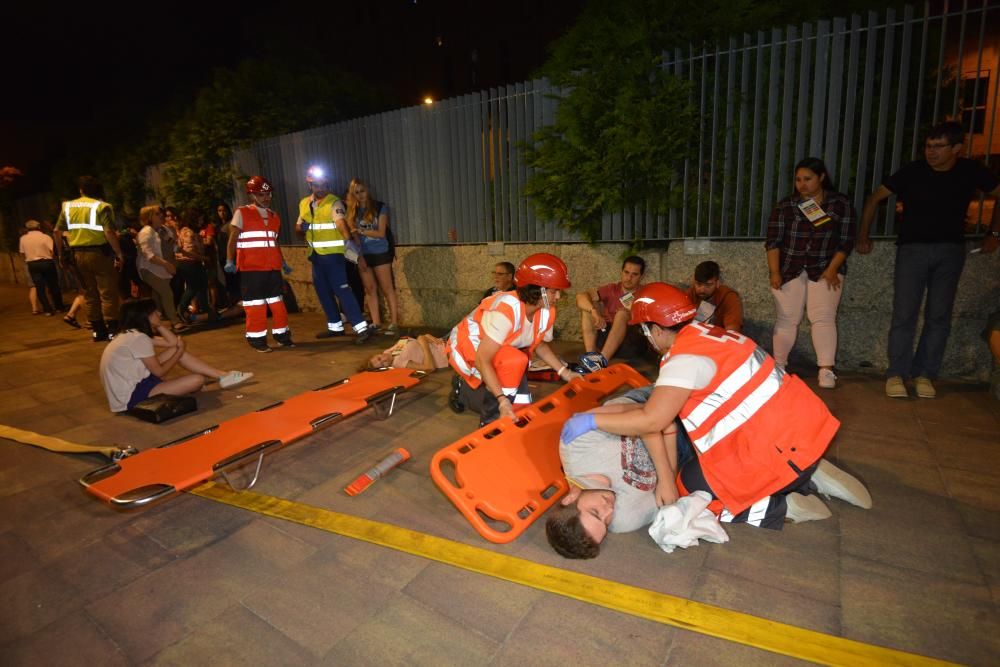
191,581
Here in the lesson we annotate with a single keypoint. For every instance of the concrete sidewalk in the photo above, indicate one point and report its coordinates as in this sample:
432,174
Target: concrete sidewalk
193,582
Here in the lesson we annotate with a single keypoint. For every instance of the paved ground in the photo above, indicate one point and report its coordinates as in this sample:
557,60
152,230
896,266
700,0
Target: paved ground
191,582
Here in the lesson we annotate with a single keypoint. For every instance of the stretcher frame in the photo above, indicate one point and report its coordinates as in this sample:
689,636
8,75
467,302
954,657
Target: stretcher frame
161,472
509,472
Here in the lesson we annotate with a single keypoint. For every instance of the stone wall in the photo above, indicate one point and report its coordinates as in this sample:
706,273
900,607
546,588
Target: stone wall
440,284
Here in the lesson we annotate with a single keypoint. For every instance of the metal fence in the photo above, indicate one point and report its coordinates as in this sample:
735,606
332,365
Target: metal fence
857,92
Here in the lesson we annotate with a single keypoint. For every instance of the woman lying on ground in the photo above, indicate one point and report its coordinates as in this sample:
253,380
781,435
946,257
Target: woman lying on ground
423,353
137,360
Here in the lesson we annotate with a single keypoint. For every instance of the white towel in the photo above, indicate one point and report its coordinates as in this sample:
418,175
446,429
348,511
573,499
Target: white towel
686,521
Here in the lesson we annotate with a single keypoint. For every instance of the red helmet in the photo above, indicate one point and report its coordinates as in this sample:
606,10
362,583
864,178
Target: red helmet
316,174
661,304
544,270
258,185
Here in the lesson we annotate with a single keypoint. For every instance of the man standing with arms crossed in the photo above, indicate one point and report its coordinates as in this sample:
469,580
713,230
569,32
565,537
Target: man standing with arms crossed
930,252
98,256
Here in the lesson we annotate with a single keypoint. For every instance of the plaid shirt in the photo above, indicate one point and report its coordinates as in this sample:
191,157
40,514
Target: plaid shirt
807,248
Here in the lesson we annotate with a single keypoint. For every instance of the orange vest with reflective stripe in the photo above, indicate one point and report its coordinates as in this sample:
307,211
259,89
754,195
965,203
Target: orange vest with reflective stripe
257,244
465,337
754,427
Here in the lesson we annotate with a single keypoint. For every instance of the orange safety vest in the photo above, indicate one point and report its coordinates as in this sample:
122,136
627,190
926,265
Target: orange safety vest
755,428
257,244
465,337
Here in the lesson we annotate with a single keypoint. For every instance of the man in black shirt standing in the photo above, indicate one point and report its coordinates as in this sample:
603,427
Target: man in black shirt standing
930,252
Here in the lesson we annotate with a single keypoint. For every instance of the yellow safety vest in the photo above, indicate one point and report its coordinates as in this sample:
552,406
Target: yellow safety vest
322,235
85,219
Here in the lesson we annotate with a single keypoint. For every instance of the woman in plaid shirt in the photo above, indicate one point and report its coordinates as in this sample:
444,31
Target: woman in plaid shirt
809,236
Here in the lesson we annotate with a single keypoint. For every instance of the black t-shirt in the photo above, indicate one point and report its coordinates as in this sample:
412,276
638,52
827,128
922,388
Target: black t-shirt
935,202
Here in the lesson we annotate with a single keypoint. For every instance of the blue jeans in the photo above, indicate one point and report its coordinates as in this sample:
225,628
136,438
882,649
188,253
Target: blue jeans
329,278
933,268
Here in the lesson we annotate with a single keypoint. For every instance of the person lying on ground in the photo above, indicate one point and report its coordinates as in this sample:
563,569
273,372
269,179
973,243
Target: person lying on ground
423,353
757,433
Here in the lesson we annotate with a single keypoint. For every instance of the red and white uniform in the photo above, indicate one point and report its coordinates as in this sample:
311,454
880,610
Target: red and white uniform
259,260
754,427
502,318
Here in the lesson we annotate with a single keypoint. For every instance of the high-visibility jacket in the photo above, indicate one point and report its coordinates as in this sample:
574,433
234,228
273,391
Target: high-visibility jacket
755,428
85,219
467,334
322,235
257,244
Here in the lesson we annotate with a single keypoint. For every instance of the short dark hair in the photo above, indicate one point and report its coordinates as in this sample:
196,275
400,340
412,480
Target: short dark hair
706,271
566,535
530,294
90,187
134,314
949,130
638,261
507,267
818,167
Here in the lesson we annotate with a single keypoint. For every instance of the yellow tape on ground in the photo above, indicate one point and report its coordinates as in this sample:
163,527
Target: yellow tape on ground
54,444
687,614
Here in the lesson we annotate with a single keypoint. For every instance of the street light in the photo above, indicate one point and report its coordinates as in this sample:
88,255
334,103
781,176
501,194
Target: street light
428,100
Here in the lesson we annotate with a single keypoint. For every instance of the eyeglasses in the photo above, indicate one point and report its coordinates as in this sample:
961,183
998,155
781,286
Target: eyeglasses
936,147
501,273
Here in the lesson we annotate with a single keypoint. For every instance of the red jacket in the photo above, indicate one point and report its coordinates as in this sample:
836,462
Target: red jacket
754,427
257,244
465,337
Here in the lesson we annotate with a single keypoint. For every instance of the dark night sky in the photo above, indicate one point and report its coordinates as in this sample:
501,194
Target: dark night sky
130,60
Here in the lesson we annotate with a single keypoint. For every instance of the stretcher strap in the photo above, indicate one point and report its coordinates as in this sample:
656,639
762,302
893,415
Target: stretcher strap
54,444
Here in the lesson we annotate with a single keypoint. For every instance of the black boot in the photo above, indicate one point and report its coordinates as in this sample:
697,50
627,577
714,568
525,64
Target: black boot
112,326
456,389
100,334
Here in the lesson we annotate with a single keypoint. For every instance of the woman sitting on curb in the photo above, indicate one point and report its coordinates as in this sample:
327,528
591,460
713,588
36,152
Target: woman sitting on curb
137,360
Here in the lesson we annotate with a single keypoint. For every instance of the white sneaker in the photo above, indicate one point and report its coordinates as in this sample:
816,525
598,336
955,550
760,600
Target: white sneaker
827,380
805,508
233,378
832,481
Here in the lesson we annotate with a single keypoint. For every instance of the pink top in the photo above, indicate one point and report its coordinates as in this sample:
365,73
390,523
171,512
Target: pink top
408,349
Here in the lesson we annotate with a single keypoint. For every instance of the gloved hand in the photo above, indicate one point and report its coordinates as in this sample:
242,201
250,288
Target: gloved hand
577,425
284,267
304,226
230,266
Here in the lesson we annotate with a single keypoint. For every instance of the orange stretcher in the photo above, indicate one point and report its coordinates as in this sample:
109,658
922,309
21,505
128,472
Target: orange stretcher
157,473
505,475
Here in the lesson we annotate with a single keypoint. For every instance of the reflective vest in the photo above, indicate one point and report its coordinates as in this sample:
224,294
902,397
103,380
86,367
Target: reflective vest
467,334
322,235
257,244
755,428
85,220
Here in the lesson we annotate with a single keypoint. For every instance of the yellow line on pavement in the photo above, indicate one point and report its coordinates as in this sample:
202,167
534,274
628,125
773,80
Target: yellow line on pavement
660,607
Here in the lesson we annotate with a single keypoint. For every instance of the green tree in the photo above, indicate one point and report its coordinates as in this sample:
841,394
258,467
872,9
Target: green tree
258,99
624,125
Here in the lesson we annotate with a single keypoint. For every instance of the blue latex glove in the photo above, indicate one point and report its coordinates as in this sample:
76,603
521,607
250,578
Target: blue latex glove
230,266
305,227
284,267
577,425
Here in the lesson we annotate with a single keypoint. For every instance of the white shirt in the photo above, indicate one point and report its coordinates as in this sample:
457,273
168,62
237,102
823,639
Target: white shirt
36,245
237,220
687,371
149,245
498,327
